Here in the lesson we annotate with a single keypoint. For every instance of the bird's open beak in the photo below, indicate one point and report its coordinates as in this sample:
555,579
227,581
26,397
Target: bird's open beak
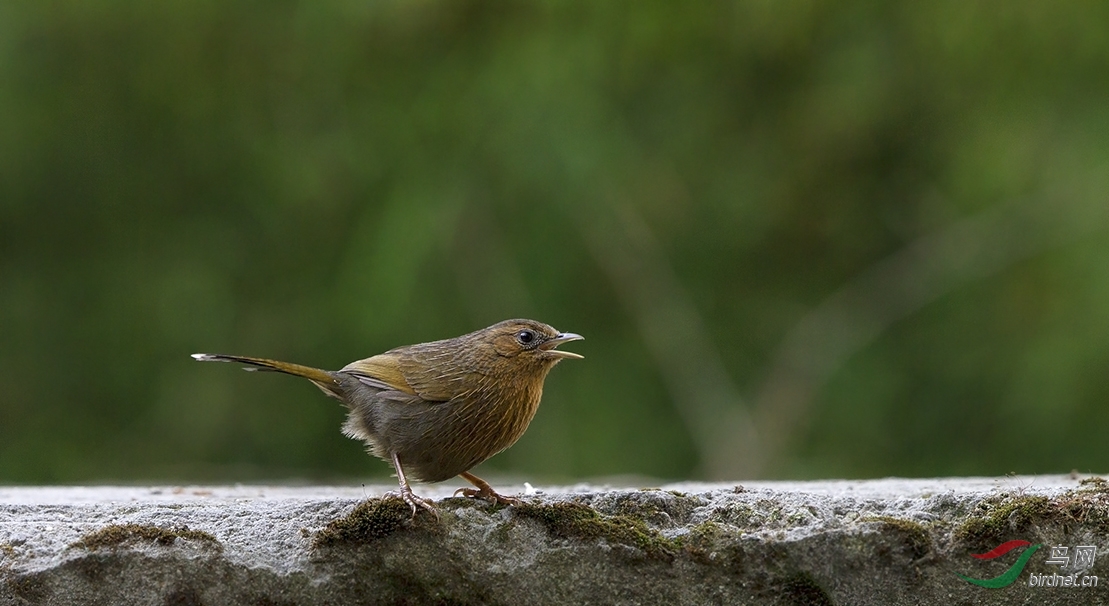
562,337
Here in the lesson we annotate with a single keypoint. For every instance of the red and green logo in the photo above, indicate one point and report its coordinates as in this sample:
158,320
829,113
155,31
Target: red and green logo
1014,571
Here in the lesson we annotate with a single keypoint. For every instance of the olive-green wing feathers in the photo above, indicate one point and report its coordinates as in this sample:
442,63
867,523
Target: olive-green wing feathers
401,371
382,371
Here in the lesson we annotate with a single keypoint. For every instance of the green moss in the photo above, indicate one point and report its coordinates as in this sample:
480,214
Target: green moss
371,520
704,540
1094,483
118,535
629,505
1088,507
706,528
700,538
7,555
916,536
576,521
659,509
741,516
1004,518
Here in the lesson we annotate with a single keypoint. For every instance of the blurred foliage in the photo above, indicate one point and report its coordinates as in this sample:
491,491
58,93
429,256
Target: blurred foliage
802,238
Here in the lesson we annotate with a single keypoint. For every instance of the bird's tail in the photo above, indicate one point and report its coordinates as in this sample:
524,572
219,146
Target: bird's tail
324,380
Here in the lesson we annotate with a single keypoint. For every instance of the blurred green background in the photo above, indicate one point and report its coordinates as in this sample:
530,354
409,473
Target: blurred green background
803,239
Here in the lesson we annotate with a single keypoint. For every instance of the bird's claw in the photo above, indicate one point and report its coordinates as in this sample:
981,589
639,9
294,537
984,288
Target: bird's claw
487,494
415,502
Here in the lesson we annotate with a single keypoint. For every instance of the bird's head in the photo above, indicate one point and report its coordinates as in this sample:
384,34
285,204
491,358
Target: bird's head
531,341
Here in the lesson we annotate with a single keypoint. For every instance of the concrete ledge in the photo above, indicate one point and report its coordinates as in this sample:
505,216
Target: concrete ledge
887,541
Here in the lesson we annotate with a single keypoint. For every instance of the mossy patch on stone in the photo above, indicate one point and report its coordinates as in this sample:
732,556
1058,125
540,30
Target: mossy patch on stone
707,540
1004,517
740,515
118,535
30,588
1094,483
660,509
708,528
1088,506
914,534
575,521
370,521
7,555
998,518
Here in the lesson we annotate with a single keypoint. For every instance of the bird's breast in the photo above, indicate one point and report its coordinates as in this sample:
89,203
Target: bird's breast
439,440
498,417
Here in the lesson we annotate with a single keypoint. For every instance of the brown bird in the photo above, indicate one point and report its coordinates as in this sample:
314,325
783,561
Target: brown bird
435,410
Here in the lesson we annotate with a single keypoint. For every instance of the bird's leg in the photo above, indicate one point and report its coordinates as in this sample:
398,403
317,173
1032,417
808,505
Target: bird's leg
484,491
406,492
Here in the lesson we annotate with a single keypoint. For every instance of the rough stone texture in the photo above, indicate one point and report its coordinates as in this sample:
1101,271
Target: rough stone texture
887,541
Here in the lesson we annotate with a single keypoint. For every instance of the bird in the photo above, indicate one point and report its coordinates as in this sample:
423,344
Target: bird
435,410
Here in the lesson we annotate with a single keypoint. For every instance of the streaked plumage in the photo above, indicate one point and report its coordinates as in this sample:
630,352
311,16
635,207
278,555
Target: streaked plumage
435,410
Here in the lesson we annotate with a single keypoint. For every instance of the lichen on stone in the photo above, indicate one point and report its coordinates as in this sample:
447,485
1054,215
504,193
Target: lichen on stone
570,520
118,535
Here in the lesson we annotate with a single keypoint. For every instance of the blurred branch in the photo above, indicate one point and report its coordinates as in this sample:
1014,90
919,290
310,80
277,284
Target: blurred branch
892,289
676,336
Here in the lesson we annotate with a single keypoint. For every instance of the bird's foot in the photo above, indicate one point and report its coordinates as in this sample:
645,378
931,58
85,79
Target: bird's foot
406,494
487,493
414,501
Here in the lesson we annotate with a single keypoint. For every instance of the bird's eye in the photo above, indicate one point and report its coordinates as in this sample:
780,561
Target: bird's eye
525,337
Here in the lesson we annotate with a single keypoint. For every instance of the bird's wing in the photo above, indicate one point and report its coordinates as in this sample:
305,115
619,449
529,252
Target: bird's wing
398,371
381,371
